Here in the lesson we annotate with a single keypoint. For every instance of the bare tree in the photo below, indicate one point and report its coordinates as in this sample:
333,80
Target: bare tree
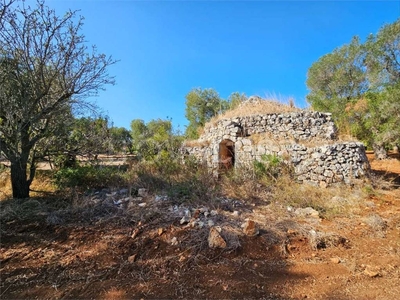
46,71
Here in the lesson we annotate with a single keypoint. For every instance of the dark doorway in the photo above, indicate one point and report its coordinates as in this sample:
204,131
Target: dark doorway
226,154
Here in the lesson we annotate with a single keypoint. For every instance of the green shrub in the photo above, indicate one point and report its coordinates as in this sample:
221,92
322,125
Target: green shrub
89,177
270,165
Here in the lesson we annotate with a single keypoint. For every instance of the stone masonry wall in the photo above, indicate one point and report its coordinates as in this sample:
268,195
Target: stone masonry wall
303,125
306,140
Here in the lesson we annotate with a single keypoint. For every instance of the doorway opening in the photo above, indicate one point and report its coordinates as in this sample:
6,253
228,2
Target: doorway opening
226,155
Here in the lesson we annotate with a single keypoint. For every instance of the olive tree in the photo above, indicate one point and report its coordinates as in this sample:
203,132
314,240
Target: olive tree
201,106
359,84
46,71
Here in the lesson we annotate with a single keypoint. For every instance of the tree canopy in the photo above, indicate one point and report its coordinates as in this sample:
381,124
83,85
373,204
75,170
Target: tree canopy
201,106
154,138
359,83
47,71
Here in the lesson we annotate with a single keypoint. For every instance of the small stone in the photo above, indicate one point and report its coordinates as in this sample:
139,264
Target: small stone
160,198
123,191
132,258
143,204
206,214
214,213
203,210
371,272
235,214
174,241
210,223
200,224
250,228
215,240
188,214
323,184
184,220
335,260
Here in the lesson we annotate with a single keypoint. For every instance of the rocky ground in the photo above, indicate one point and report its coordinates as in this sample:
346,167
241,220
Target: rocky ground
115,246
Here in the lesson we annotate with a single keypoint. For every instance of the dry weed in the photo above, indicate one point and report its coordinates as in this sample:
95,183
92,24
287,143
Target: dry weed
340,200
263,106
376,224
322,240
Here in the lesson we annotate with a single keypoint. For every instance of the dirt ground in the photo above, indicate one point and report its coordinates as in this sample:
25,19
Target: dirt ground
106,253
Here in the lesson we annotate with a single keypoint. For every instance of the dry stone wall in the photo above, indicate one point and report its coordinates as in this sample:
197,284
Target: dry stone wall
304,139
302,125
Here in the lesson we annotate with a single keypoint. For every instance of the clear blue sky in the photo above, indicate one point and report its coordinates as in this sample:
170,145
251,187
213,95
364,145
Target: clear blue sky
166,48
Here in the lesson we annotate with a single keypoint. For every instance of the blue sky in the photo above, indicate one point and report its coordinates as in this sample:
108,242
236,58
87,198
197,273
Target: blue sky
166,48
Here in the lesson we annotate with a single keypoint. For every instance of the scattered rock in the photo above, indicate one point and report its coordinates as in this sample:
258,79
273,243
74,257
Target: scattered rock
132,258
137,199
160,231
210,223
371,272
143,204
184,220
307,212
323,184
203,210
214,213
160,198
235,214
250,228
174,241
215,240
335,260
123,191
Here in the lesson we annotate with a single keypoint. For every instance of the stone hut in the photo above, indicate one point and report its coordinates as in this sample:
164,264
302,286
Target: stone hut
305,139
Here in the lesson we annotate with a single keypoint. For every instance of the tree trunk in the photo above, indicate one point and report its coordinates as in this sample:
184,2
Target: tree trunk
379,151
19,182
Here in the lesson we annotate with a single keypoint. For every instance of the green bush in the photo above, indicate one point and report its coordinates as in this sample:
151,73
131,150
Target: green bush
270,165
89,177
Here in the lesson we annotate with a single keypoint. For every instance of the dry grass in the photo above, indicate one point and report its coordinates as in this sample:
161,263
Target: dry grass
41,185
335,201
262,106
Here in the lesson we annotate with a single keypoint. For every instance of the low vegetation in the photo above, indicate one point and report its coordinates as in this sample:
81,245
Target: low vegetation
98,220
